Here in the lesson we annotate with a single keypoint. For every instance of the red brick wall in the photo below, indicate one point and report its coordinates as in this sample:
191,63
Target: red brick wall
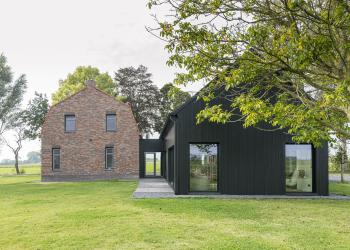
83,152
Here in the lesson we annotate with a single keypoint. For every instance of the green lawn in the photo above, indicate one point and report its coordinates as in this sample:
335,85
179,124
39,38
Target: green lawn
102,215
339,188
27,169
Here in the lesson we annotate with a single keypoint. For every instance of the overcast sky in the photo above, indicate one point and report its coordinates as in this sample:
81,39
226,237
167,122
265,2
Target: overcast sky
46,40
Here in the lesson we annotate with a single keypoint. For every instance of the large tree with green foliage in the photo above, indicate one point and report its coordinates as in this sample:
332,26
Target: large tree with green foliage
135,86
11,94
284,62
172,97
34,115
26,124
76,81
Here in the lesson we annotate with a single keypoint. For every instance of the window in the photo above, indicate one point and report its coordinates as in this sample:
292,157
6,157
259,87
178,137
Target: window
111,122
109,152
69,123
152,162
56,158
203,167
298,168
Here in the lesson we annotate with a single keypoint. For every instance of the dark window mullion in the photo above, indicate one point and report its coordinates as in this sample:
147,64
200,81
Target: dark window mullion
56,159
109,157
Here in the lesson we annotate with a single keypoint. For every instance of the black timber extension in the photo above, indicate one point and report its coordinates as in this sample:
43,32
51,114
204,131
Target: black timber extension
250,161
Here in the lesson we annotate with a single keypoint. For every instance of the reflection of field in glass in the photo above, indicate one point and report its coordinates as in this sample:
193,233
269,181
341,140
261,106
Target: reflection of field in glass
203,176
298,175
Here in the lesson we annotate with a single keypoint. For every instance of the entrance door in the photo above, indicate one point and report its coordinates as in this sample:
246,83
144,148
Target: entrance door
152,163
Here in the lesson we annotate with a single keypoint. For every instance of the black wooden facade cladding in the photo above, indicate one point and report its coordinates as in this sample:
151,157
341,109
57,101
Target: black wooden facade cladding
250,161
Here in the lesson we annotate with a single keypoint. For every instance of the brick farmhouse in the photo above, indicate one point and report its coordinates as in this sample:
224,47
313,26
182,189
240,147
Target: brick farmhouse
90,136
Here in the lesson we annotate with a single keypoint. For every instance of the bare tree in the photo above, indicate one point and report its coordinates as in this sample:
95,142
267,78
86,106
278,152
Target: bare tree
19,130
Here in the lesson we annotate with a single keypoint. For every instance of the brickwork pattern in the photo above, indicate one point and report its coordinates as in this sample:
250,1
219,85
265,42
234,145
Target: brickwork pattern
83,151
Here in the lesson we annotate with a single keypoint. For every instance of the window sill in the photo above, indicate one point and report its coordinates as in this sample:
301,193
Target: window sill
301,194
56,170
69,132
112,131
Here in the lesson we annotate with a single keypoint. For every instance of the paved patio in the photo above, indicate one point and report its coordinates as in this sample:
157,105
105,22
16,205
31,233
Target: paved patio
159,188
153,188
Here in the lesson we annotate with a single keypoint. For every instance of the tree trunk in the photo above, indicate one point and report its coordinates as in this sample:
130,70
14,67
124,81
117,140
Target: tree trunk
343,160
16,163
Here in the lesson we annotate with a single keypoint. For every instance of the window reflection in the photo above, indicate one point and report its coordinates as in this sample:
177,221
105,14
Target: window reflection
203,167
298,168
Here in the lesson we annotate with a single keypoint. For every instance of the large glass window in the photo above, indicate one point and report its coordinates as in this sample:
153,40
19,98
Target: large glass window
298,168
152,162
109,152
203,167
111,122
69,123
56,158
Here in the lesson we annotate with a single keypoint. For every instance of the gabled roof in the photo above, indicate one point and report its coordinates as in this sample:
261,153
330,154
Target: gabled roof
169,119
81,90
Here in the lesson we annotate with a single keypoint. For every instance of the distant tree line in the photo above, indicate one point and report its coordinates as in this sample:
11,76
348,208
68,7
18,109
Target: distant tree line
33,157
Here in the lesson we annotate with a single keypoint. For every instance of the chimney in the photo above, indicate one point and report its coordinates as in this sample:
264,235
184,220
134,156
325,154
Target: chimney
90,83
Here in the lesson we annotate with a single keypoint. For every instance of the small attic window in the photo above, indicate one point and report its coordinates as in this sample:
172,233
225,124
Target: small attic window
69,123
111,122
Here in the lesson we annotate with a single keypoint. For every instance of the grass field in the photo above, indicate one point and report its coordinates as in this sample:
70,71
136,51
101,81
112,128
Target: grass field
27,169
91,215
339,188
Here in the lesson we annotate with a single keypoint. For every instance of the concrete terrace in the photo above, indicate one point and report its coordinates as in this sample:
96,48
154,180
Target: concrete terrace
159,188
153,188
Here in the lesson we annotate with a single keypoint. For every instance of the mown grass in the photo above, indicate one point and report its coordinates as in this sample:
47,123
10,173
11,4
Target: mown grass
339,188
25,169
102,215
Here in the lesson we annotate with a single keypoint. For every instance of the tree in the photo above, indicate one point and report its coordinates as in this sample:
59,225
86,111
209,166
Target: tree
136,87
340,159
18,126
76,81
172,97
34,115
11,94
283,62
33,157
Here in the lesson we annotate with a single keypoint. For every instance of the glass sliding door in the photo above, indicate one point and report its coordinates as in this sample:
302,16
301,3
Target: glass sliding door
203,167
152,163
299,174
